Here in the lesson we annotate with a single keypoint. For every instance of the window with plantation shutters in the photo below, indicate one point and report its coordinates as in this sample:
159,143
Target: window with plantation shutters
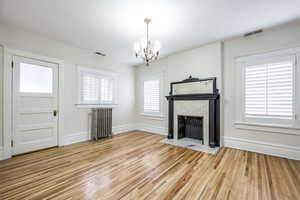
151,96
269,85
269,90
96,87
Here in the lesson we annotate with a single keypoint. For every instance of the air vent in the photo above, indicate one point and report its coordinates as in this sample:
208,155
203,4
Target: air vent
99,53
253,33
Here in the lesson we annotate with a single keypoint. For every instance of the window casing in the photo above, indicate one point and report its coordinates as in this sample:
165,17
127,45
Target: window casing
97,88
151,96
268,89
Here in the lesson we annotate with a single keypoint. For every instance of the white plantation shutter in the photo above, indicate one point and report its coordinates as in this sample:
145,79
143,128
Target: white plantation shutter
106,90
90,92
151,96
96,88
269,89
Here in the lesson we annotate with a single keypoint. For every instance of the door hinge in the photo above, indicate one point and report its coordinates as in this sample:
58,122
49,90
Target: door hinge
12,64
12,143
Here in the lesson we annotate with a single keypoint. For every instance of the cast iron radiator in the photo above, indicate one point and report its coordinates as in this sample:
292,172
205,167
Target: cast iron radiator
101,123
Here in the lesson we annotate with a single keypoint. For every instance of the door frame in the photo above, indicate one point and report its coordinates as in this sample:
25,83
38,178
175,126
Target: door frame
8,54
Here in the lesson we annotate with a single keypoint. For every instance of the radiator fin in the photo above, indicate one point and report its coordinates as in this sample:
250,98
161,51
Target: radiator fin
101,123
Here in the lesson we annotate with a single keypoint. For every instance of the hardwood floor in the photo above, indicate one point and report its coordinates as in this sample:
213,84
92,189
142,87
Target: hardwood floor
137,166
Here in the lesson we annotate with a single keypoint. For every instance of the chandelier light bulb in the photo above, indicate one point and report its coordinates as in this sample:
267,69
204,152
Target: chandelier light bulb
144,43
136,47
157,46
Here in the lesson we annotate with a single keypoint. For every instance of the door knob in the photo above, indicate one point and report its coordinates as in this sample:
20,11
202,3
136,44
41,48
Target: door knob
54,113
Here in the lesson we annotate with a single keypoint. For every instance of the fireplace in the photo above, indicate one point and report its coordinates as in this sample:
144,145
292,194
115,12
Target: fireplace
188,100
190,127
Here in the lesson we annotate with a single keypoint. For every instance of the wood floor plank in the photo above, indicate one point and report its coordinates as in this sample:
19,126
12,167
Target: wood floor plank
137,165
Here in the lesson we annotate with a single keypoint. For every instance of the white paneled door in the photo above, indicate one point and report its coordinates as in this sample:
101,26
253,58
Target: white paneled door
35,103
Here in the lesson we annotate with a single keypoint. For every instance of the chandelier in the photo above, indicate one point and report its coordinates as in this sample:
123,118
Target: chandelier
145,49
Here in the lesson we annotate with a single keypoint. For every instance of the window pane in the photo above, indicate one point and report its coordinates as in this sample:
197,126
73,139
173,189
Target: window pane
90,88
106,90
151,96
35,78
96,87
269,90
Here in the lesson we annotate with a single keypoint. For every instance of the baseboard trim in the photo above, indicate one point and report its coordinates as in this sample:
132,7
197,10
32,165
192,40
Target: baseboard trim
152,129
123,128
1,154
285,151
84,136
75,138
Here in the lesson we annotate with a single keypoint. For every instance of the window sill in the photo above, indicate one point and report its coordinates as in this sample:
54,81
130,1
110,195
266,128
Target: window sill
274,128
152,116
96,106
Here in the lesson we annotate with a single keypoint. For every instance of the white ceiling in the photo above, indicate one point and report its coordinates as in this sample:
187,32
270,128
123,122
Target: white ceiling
112,26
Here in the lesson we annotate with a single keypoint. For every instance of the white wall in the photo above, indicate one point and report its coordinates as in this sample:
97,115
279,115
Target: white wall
280,37
1,95
157,125
76,120
202,62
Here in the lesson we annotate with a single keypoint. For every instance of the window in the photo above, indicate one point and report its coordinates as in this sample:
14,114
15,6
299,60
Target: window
151,96
90,92
35,78
97,87
268,89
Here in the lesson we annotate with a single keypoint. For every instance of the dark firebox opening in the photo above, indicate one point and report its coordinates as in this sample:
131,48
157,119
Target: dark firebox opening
190,127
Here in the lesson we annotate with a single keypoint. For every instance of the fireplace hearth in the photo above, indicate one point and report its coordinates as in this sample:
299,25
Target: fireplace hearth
190,127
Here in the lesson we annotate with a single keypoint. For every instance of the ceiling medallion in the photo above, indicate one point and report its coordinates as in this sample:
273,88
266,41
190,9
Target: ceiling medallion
146,49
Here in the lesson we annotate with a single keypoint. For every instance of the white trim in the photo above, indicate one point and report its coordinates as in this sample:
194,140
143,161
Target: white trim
98,72
75,138
273,53
2,98
85,136
152,129
123,128
7,95
274,128
240,94
290,152
148,76
96,106
1,154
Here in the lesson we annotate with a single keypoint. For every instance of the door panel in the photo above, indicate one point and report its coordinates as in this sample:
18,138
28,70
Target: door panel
35,85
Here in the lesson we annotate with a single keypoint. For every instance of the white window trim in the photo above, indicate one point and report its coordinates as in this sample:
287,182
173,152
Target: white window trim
101,72
241,122
148,76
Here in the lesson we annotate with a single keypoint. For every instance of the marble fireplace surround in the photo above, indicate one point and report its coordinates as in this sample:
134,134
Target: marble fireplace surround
197,108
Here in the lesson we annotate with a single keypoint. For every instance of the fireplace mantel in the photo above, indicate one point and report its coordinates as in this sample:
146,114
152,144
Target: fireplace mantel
193,97
214,110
